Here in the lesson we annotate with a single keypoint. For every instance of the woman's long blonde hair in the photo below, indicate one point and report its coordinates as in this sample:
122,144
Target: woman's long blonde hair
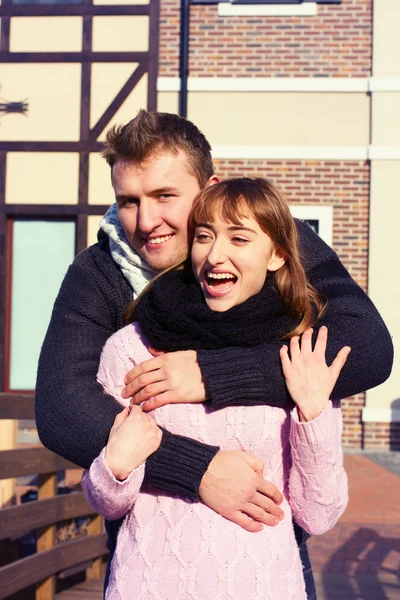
235,199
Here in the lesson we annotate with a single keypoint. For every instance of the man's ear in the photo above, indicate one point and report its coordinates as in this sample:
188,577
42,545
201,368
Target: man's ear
212,180
276,261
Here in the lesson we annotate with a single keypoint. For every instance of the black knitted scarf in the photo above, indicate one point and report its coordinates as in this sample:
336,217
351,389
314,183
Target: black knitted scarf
174,316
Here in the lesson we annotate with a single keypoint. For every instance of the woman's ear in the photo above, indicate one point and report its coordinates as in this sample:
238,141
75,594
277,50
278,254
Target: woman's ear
276,261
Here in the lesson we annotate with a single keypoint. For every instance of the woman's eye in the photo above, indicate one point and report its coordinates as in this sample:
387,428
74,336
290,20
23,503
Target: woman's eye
239,240
202,237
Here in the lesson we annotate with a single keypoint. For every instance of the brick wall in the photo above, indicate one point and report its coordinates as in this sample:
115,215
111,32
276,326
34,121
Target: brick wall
382,436
335,43
345,186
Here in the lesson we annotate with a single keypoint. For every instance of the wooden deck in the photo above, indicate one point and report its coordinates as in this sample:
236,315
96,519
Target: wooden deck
89,590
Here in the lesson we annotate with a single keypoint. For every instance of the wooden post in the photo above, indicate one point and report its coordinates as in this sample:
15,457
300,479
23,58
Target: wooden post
95,527
46,537
8,441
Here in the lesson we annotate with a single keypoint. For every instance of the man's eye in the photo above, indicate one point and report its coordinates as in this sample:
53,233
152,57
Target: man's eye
130,201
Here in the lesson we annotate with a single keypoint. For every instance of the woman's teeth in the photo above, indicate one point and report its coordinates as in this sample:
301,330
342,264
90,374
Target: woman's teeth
221,276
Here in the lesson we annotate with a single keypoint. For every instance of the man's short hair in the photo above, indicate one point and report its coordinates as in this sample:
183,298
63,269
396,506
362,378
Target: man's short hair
150,132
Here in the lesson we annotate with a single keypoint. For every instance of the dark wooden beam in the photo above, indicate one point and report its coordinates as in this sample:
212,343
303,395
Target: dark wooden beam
86,85
154,36
72,57
3,266
118,101
61,10
52,210
89,146
31,461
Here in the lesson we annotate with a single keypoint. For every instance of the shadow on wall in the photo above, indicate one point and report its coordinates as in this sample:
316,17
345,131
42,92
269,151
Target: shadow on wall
366,567
395,426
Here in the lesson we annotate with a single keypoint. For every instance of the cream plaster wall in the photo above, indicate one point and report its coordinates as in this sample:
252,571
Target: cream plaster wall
107,81
100,188
384,265
53,93
386,40
121,34
309,119
93,227
168,102
386,118
46,34
42,178
135,101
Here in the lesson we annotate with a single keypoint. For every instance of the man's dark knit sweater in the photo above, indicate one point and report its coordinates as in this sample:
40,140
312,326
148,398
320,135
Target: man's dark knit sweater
74,416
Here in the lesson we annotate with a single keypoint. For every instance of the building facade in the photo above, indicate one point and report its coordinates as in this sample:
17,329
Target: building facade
303,92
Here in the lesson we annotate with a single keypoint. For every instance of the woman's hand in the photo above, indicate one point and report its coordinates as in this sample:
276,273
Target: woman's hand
308,378
133,437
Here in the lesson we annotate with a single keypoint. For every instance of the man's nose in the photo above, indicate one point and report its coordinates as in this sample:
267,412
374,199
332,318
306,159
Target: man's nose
147,218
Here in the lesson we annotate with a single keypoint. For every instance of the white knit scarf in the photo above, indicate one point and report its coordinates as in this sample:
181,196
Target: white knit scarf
132,265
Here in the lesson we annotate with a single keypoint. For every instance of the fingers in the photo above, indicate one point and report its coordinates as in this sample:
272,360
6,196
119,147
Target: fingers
285,360
150,391
255,463
120,418
259,514
321,341
157,401
339,363
306,342
135,380
245,522
269,490
294,347
145,367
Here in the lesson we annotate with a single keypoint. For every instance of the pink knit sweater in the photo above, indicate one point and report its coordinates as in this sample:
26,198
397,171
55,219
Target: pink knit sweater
170,549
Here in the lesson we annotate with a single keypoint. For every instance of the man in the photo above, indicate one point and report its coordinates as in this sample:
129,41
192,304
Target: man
159,162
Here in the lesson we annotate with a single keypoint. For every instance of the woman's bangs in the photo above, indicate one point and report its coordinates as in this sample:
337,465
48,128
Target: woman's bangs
231,208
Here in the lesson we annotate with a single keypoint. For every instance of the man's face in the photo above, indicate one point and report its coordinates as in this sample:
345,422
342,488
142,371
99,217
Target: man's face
154,199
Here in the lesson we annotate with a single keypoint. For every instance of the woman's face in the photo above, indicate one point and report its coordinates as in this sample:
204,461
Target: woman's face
231,261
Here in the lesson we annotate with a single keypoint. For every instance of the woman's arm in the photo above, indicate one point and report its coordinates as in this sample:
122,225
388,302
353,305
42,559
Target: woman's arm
108,496
317,482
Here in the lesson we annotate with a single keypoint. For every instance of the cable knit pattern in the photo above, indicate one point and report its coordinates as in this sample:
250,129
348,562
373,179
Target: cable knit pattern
170,549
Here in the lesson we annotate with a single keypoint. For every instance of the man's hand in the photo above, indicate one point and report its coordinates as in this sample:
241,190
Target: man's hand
234,487
170,378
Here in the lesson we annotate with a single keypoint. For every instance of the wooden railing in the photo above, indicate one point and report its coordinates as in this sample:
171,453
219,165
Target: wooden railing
42,515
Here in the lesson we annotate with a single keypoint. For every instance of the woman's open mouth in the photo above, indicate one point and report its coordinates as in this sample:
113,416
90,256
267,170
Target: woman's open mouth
219,283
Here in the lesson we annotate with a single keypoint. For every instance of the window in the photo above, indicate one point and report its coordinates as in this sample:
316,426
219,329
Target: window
39,255
320,218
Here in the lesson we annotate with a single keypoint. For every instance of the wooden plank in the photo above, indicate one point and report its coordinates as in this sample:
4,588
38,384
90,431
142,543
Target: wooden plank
95,527
88,590
16,406
46,536
30,570
3,262
8,441
18,520
29,461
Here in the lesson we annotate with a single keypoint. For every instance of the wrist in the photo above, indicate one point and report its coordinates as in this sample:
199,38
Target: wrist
311,410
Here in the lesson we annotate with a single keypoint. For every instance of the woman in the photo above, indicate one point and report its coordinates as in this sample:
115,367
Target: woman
246,286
